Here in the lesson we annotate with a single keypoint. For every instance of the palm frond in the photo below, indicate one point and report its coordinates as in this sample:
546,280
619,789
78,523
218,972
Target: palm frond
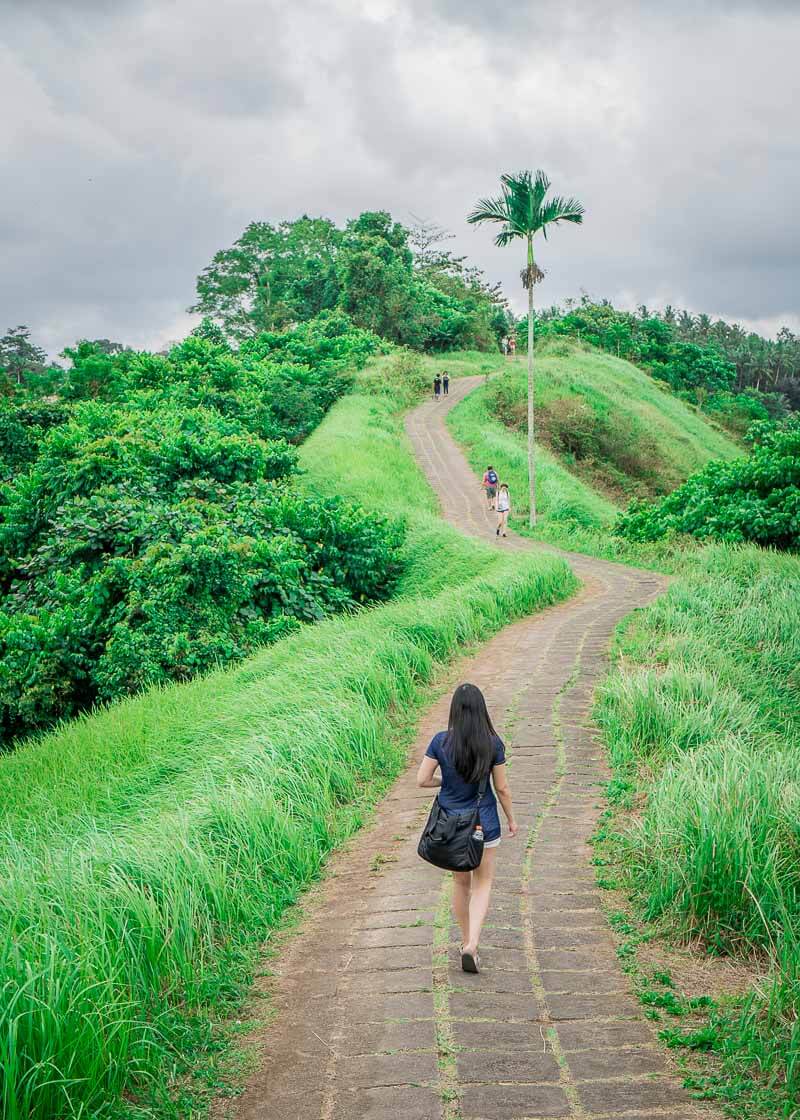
562,210
506,236
540,188
489,210
523,208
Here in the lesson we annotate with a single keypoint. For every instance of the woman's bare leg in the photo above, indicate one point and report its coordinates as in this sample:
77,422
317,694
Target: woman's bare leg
482,878
462,889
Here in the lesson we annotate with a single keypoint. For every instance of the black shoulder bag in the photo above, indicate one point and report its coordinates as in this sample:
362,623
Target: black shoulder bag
453,841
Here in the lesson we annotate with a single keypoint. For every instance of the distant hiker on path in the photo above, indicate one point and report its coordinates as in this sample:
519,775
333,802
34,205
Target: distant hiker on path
490,485
437,387
503,507
504,345
446,382
512,347
469,751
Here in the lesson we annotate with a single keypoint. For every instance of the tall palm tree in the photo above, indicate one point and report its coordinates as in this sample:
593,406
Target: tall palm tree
522,211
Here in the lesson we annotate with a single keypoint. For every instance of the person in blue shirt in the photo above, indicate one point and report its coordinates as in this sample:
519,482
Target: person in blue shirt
464,754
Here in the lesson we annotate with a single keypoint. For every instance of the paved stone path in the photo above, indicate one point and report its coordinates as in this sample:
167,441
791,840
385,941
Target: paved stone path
375,1020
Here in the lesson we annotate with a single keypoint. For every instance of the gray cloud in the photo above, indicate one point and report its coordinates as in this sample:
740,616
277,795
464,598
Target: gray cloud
144,136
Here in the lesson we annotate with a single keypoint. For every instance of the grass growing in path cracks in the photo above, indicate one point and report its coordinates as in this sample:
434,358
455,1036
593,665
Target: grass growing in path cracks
550,1031
446,1049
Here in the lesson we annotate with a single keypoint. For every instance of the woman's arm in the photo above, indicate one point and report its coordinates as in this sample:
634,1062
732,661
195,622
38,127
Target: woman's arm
503,791
426,775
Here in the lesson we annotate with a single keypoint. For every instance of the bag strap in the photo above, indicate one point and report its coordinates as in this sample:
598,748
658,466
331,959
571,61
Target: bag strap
484,785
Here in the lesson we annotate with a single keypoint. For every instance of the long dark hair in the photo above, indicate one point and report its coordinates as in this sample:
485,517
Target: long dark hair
470,734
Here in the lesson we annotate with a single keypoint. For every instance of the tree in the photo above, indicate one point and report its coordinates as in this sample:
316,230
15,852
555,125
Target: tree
424,238
106,346
272,276
523,211
376,273
754,498
19,356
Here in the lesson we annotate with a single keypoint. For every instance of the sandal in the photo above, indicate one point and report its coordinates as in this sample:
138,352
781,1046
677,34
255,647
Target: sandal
470,962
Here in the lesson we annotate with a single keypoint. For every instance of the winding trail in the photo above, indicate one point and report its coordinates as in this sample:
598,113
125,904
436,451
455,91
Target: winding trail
375,1020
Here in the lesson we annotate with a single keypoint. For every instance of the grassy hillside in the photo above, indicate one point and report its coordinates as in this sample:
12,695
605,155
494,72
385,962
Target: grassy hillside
638,426
561,495
147,851
640,408
609,423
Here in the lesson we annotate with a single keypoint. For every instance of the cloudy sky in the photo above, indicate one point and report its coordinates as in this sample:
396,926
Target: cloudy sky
139,136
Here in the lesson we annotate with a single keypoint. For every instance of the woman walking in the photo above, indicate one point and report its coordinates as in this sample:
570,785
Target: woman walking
468,754
503,508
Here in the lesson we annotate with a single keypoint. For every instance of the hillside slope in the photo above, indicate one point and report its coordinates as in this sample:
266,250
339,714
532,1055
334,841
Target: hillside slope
608,432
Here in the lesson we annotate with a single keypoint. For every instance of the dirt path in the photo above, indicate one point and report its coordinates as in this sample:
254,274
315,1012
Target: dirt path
375,1019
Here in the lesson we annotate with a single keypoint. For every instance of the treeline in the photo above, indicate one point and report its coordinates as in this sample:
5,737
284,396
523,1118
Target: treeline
735,376
401,284
149,528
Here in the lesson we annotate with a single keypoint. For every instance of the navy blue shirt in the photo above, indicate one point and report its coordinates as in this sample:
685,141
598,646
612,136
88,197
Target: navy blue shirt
458,795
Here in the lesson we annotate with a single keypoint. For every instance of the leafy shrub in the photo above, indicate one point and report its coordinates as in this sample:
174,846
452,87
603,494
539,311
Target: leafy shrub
148,579
507,401
156,534
571,427
23,424
748,499
737,411
278,385
400,377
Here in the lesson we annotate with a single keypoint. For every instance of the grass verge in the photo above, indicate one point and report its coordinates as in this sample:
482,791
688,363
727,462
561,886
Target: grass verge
702,721
147,851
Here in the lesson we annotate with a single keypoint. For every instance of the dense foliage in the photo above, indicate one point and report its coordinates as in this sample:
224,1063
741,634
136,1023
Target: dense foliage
738,376
394,282
747,499
148,529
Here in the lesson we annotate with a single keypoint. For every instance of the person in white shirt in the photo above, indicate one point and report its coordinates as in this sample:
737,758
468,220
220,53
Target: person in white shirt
503,508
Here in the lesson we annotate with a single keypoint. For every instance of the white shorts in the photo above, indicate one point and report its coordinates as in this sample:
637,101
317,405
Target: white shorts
492,843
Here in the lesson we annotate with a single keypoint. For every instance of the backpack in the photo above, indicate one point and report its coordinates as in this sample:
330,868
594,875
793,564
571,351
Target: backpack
491,478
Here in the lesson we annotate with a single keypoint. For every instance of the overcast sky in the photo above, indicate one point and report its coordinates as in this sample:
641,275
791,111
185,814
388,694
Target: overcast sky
140,136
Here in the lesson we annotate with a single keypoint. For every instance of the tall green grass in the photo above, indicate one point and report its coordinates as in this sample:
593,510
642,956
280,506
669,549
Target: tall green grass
702,715
148,850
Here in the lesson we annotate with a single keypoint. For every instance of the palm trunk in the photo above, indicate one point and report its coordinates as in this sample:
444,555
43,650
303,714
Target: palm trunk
531,457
